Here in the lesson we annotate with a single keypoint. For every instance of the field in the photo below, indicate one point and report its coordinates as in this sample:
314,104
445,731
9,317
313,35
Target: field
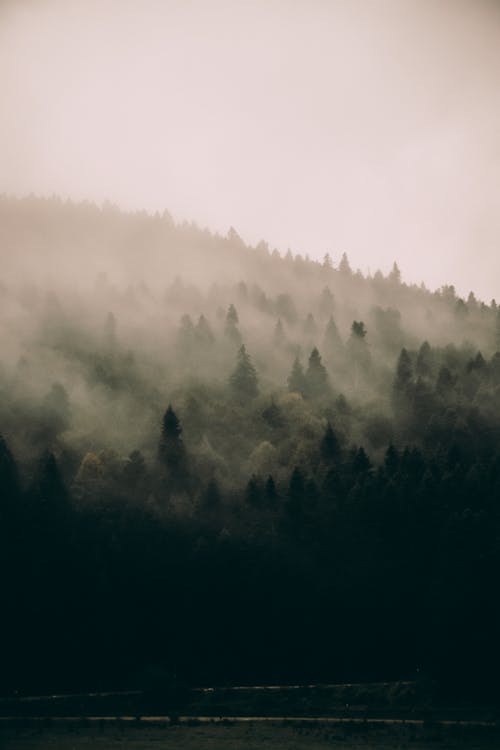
248,736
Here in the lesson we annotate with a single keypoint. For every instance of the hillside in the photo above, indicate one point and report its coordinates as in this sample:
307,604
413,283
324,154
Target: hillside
236,465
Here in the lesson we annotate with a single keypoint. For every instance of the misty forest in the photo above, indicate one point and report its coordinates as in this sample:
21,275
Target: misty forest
237,465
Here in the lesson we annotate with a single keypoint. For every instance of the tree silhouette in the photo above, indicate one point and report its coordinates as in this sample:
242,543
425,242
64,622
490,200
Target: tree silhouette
243,380
172,453
316,378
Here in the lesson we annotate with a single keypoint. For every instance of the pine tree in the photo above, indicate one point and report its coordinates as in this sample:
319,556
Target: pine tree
253,492
391,460
185,336
423,365
344,267
243,380
358,349
203,332
270,492
329,446
326,303
297,380
231,330
327,262
332,343
402,389
395,274
361,463
232,315
317,381
172,453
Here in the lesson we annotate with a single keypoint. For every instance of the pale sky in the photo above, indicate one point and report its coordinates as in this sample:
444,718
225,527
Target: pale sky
370,126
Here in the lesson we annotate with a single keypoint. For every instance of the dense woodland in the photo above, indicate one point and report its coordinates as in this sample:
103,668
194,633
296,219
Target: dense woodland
236,466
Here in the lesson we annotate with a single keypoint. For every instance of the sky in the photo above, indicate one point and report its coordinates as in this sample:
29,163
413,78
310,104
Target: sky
365,126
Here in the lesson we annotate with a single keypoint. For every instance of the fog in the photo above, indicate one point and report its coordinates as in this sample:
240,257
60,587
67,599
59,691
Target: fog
371,128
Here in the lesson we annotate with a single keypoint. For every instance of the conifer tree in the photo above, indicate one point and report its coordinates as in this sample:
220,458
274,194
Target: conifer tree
332,343
395,274
326,303
316,378
402,389
361,463
203,332
344,266
423,365
172,453
243,380
358,349
391,460
329,446
231,330
253,492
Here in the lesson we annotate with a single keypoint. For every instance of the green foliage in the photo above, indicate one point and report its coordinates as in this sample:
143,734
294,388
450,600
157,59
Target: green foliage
317,382
243,380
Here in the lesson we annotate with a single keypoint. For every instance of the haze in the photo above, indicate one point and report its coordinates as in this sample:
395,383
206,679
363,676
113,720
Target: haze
366,127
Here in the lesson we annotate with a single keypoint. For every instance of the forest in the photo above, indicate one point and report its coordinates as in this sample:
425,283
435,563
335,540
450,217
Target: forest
238,466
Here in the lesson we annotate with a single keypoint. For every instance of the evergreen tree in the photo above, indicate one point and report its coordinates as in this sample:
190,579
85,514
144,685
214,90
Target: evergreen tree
332,343
270,492
203,332
253,492
231,330
344,267
273,415
497,331
358,350
326,303
395,274
316,378
172,453
404,371
327,262
243,380
329,446
185,337
361,463
445,382
391,460
423,365
232,315
402,389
